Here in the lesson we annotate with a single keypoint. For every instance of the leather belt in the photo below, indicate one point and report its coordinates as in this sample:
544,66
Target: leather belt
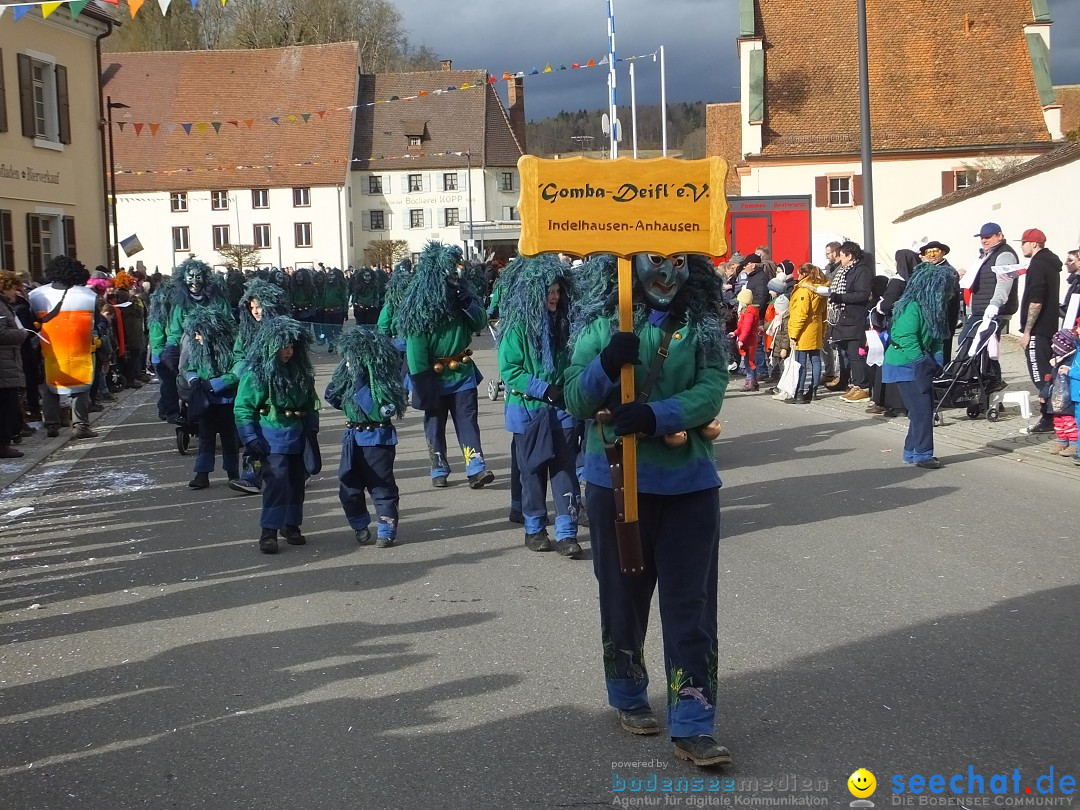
367,425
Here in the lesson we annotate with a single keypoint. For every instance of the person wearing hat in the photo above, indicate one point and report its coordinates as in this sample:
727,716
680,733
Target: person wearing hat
937,253
746,336
1039,315
993,297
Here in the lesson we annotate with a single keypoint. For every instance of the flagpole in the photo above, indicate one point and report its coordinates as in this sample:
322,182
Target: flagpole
612,96
633,107
663,101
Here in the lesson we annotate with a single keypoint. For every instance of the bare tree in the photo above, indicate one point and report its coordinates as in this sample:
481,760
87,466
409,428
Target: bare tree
386,252
240,256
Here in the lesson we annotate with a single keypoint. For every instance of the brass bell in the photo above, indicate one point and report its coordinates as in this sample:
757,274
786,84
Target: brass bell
438,368
468,353
676,439
465,359
711,431
454,365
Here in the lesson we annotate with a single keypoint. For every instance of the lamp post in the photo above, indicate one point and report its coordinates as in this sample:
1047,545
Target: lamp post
864,127
468,191
110,106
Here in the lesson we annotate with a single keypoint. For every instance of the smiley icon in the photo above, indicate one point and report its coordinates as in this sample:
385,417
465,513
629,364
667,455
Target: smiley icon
862,783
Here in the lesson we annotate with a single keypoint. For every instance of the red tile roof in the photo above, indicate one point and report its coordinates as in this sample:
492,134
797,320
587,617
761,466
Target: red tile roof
1068,96
723,139
951,74
471,120
227,86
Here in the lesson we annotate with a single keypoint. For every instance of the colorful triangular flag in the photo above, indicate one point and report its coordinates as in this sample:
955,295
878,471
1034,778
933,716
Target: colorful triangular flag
121,125
201,126
305,116
591,63
138,129
18,12
75,7
547,69
164,4
235,124
187,128
170,127
216,125
250,122
154,130
276,119
134,6
49,8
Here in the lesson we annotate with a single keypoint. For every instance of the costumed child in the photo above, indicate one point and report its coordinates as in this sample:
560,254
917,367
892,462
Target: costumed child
396,287
206,364
746,336
367,385
534,330
277,417
677,351
437,318
260,302
364,292
1058,392
333,300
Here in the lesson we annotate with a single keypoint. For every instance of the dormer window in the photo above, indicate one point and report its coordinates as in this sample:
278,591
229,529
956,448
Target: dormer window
415,140
416,132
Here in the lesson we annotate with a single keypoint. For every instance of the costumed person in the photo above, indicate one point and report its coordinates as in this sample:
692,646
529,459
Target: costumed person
389,314
437,318
304,295
333,303
261,302
1058,392
206,362
364,291
533,336
367,385
192,285
65,311
133,322
914,356
277,417
886,398
504,281
679,357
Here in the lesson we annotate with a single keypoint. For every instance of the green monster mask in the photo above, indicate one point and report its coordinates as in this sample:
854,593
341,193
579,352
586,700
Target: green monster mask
660,277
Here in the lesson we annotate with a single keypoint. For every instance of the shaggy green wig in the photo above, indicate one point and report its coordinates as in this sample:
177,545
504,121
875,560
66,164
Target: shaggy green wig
429,303
177,290
523,303
368,355
697,303
273,300
218,332
282,380
398,284
928,288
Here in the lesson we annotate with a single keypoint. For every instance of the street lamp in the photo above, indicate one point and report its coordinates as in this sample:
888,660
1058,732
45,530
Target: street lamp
865,142
113,105
468,190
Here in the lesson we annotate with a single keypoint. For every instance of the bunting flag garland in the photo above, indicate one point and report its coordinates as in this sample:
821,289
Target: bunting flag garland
76,6
265,166
49,8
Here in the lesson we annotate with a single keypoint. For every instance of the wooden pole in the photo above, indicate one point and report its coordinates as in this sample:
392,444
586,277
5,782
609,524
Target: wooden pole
629,443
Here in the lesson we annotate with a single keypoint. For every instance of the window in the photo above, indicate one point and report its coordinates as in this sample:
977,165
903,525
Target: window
507,181
43,97
180,240
219,201
374,184
451,216
415,140
416,218
48,236
449,181
221,236
178,201
416,182
839,192
378,220
262,236
260,198
303,234
7,242
510,213
301,197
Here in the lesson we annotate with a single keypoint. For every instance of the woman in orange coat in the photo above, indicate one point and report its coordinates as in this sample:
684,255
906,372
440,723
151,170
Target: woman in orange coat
806,328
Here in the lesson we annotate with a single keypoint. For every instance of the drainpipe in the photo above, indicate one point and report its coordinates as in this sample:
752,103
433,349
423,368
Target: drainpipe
101,132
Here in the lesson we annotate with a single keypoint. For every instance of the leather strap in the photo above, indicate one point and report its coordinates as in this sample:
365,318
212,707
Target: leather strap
671,323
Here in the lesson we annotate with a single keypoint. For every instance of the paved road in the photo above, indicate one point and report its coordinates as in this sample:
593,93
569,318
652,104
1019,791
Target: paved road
870,615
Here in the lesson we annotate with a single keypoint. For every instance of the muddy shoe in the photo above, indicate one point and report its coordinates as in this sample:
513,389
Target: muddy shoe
83,432
515,516
439,481
538,542
567,548
293,536
385,542
52,431
200,481
639,721
363,536
268,541
702,750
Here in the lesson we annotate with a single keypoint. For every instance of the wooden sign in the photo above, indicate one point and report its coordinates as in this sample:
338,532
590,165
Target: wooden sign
624,206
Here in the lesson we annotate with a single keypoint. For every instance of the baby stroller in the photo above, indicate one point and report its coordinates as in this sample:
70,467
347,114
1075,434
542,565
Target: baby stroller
186,425
495,386
971,376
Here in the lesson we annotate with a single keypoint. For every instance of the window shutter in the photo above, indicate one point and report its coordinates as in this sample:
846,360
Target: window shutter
3,96
26,95
404,182
462,183
506,212
427,182
856,189
70,249
407,220
33,231
429,219
8,240
821,192
63,109
948,183
365,220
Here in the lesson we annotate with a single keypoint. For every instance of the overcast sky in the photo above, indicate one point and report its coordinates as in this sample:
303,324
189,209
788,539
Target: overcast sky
698,37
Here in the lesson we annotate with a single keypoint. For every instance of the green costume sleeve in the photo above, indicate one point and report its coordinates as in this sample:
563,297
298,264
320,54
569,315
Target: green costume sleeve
418,354
157,338
249,398
512,361
386,320
583,399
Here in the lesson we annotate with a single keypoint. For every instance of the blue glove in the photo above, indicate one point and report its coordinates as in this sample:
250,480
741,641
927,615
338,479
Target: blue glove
633,417
217,385
622,350
256,449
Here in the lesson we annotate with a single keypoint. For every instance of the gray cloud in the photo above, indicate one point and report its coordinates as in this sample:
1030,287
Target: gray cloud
699,38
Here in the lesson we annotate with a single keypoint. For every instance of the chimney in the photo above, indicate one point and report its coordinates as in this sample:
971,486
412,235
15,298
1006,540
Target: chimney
515,95
446,65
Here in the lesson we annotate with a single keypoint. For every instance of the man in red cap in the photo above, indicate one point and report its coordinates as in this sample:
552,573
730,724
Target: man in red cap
1039,315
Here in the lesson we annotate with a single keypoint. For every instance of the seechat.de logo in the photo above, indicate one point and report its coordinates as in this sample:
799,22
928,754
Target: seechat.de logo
862,785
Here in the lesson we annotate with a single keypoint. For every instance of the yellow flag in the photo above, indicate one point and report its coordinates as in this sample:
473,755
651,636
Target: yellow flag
49,8
547,69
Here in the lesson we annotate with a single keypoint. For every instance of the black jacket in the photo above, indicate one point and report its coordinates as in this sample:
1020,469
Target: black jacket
855,302
1041,287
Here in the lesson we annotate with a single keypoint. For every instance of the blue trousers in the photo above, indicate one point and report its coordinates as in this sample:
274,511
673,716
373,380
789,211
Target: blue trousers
680,538
462,408
812,359
168,396
252,471
562,472
283,490
218,421
369,469
515,478
918,396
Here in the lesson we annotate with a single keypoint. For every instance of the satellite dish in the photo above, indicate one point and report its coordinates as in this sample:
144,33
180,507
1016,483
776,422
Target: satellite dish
618,131
605,124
